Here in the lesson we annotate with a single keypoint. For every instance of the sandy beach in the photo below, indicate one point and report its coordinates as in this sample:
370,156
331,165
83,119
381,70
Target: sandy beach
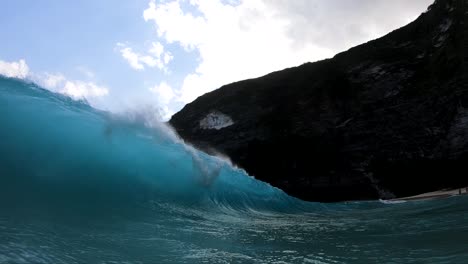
435,195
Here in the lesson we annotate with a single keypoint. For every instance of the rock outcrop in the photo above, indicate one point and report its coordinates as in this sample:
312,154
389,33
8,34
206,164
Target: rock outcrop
386,119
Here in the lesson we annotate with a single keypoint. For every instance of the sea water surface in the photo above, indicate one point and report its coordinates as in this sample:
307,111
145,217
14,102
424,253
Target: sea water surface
78,185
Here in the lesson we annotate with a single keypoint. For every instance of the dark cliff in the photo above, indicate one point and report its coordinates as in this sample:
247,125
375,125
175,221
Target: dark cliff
387,118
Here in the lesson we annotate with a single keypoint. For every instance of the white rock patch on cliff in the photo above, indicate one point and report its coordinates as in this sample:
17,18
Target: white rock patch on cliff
216,120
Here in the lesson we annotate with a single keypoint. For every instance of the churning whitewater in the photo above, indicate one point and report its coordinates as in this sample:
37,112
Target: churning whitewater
78,185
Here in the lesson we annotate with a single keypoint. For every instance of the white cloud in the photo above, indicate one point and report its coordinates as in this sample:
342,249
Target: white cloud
52,80
157,57
55,82
157,49
165,95
234,42
342,24
74,88
80,90
163,92
132,58
17,69
250,38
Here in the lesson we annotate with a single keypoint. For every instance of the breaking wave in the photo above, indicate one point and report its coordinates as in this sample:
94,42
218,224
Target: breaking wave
79,185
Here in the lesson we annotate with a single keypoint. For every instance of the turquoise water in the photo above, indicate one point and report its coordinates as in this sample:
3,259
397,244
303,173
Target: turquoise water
82,186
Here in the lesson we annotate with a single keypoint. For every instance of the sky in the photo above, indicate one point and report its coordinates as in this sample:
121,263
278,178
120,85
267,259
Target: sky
123,55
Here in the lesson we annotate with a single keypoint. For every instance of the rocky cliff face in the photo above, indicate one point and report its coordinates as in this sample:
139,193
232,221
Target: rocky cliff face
385,119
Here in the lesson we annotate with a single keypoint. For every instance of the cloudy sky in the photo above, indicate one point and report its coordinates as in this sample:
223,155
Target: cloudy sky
125,54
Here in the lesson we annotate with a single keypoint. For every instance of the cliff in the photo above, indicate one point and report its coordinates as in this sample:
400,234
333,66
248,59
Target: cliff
386,119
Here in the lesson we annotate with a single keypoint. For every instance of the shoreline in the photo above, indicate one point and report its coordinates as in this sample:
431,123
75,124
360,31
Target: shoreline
433,195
